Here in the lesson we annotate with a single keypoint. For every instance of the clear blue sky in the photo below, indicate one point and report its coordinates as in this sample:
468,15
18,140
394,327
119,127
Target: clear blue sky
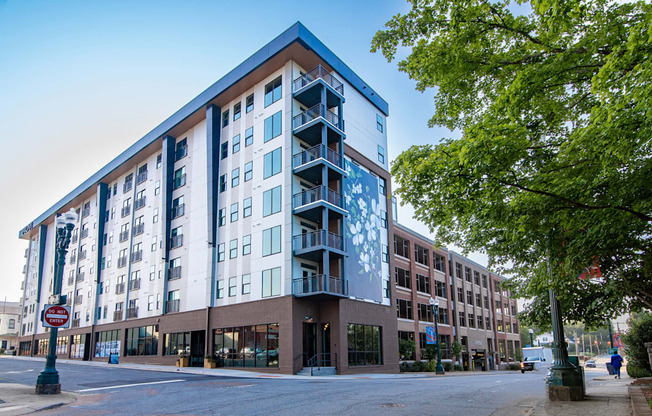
80,81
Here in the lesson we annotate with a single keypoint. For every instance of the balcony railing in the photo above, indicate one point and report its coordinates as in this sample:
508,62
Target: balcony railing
317,152
140,202
127,186
72,259
136,256
142,177
174,273
172,305
74,238
119,288
139,228
125,211
134,284
82,255
181,152
80,277
75,323
176,241
122,261
314,112
316,73
79,299
318,193
132,312
86,212
320,284
124,235
117,315
178,210
179,181
71,281
318,238
84,233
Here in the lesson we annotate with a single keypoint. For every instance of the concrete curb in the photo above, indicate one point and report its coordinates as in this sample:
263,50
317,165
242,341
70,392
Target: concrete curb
20,399
640,407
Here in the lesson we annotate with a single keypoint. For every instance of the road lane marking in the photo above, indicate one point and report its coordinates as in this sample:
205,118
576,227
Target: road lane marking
129,385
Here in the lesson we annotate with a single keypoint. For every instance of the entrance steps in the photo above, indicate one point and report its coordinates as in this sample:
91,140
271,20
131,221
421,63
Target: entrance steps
317,371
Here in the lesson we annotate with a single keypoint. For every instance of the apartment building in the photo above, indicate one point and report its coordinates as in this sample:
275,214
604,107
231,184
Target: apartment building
251,227
9,324
473,309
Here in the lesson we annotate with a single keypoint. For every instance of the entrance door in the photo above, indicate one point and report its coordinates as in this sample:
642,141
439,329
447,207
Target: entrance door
197,345
309,274
309,341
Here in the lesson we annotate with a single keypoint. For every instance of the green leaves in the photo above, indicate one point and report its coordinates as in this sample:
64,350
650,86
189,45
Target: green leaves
553,169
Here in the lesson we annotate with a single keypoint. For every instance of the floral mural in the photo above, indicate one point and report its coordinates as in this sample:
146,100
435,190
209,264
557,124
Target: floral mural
362,231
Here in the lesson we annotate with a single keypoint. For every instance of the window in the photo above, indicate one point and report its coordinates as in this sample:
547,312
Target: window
176,237
223,183
404,308
381,154
175,269
157,188
423,283
181,150
237,109
469,297
440,289
460,295
236,144
220,252
249,103
246,208
402,277
129,182
458,270
438,262
142,340
225,118
179,177
480,322
443,316
222,217
272,163
178,207
385,254
248,171
424,312
421,254
224,151
383,219
154,216
487,323
246,284
462,318
484,280
249,136
150,303
478,299
471,320
233,286
273,126
365,344
177,343
219,292
272,201
272,240
108,342
272,282
273,91
467,274
401,247
382,186
246,245
234,212
12,324
233,249
476,277
379,123
235,177
247,346
159,159
486,302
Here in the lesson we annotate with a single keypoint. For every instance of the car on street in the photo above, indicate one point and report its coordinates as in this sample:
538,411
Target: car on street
590,363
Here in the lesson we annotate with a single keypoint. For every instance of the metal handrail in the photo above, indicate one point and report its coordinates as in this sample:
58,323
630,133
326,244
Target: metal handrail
319,360
317,110
318,193
317,73
320,283
318,238
319,151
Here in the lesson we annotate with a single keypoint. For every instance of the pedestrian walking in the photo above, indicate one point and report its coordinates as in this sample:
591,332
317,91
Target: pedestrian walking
616,363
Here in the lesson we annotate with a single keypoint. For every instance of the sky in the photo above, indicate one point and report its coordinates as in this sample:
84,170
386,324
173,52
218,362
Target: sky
81,81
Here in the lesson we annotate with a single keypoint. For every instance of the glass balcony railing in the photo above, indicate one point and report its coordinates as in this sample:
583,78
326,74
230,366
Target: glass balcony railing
317,73
316,239
320,284
314,112
318,193
317,152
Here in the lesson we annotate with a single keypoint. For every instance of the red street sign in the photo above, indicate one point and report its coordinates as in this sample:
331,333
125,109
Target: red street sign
55,316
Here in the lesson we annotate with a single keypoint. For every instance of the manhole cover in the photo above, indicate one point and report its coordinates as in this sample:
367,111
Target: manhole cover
391,405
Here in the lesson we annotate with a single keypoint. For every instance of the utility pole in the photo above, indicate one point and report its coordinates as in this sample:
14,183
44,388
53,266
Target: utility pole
590,345
583,350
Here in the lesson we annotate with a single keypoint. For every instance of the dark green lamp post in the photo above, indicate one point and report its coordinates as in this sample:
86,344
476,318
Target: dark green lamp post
435,311
48,381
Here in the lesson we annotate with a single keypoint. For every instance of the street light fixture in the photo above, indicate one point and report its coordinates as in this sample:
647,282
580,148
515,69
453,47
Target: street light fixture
531,337
48,381
435,311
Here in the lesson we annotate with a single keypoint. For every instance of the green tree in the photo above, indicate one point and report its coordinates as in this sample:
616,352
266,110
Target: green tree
406,349
552,172
456,351
640,332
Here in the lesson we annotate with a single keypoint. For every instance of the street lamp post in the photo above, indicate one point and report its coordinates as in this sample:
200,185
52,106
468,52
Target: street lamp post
531,337
435,311
48,381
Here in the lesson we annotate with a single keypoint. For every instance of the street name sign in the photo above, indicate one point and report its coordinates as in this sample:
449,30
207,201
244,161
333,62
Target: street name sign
56,316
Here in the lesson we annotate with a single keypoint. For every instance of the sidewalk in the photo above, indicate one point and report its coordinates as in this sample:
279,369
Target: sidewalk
19,399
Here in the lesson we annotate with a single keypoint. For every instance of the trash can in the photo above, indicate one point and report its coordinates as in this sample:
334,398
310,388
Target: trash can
610,369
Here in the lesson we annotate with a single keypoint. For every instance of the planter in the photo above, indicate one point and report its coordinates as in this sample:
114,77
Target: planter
183,362
210,362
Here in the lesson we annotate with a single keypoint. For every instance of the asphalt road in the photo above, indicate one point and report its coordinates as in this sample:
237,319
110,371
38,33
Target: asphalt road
113,390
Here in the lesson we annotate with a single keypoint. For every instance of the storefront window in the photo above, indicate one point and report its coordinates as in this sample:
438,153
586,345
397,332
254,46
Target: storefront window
247,346
365,344
142,340
107,343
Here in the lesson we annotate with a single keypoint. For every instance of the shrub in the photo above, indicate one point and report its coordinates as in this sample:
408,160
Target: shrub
635,371
2,350
640,331
514,367
418,366
431,366
447,366
404,367
406,349
459,367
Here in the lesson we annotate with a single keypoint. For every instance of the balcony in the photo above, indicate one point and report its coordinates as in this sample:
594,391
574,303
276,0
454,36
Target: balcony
320,285
139,228
122,261
308,125
139,203
124,235
74,238
308,204
172,306
309,245
134,284
75,323
307,87
86,212
176,241
179,181
136,256
142,177
120,289
72,259
132,312
80,277
126,210
178,211
71,281
79,299
127,186
181,153
174,273
117,315
82,255
83,233
308,164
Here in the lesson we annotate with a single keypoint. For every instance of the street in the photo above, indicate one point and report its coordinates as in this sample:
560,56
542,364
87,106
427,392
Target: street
114,390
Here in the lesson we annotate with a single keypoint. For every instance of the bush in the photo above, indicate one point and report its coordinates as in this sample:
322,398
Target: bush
2,350
447,366
514,367
635,371
431,366
640,332
459,367
418,366
406,349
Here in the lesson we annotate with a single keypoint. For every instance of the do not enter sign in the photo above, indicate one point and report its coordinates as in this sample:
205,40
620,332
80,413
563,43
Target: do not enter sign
55,316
